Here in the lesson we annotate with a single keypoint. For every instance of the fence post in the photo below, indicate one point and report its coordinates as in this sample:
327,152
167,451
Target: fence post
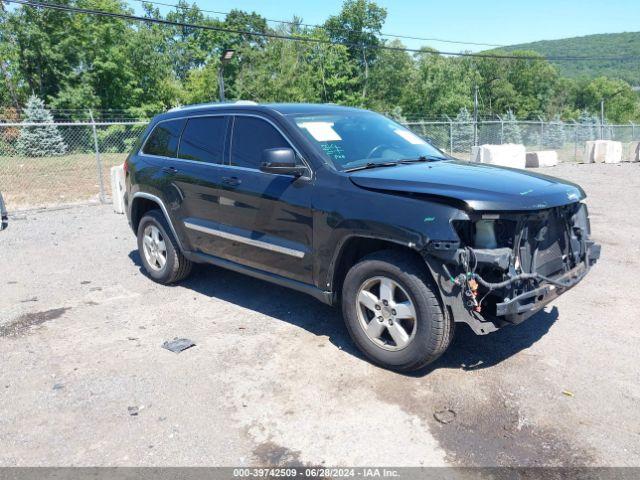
633,130
501,129
103,198
450,135
541,141
575,141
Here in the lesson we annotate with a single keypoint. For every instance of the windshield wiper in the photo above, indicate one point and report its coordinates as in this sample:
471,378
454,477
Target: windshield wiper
371,165
421,158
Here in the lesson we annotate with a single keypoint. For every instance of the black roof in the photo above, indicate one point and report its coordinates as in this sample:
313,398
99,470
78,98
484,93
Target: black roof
282,108
309,108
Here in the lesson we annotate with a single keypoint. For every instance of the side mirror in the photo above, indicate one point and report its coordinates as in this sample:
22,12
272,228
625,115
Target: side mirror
281,161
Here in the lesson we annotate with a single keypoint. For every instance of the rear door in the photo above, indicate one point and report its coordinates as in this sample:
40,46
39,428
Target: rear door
197,172
264,220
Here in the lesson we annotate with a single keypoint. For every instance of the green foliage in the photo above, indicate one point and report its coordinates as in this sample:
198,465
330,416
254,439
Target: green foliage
438,86
621,102
554,135
511,130
609,44
39,141
117,138
83,62
586,128
462,129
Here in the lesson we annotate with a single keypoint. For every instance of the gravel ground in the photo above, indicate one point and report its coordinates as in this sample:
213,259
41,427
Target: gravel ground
274,378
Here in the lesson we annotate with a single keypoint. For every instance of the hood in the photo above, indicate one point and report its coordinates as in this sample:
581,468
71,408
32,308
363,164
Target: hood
482,187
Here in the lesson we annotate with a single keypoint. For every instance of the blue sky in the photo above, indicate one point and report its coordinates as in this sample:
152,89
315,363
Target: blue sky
490,21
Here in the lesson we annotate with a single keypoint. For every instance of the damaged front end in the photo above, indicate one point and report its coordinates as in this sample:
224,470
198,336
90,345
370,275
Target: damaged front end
507,266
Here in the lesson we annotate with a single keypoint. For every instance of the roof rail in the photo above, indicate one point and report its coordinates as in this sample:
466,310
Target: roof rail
213,104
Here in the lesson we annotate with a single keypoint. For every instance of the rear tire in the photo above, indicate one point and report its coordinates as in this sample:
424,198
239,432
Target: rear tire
393,313
159,251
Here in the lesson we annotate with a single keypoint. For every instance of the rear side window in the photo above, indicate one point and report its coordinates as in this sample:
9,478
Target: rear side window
251,136
164,139
203,139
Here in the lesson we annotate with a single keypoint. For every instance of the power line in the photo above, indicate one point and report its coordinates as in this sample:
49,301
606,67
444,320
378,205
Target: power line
312,25
162,21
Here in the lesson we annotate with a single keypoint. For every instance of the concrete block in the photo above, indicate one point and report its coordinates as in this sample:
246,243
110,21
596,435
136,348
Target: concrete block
602,151
544,158
507,155
634,152
117,188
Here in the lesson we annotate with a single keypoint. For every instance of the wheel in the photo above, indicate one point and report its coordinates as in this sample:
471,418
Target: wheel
159,250
392,312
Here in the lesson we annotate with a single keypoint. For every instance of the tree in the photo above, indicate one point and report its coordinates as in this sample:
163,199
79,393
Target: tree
388,78
438,86
39,141
512,133
621,102
554,134
586,126
462,131
358,25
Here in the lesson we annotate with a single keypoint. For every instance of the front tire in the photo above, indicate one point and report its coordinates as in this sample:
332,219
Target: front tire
159,251
392,311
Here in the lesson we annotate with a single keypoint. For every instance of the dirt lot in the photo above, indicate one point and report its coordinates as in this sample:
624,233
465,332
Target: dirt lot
28,183
274,378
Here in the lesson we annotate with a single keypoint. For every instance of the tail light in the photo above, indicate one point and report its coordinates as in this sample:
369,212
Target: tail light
125,167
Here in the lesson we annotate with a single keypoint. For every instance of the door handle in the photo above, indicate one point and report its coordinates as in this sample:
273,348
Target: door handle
170,170
231,181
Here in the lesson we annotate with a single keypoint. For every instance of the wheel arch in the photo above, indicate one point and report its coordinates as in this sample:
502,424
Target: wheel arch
356,247
143,202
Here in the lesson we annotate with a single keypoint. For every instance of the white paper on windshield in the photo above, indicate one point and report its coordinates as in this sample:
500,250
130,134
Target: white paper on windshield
322,131
409,137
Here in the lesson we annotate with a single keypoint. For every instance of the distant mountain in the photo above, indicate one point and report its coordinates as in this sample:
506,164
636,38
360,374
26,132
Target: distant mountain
607,44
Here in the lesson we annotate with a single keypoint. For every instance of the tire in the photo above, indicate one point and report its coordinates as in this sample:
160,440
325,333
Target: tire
175,266
428,335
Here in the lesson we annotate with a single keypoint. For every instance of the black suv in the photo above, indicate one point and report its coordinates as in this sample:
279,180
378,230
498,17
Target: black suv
353,208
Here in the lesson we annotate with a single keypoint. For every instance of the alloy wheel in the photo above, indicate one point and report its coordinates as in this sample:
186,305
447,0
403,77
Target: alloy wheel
386,313
154,248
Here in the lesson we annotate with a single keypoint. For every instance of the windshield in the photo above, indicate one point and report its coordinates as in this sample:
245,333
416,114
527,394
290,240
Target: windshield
353,140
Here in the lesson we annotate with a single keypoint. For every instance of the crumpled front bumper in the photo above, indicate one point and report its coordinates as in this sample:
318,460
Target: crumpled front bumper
520,308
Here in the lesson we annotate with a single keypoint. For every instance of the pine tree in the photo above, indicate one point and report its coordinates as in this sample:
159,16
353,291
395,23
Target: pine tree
554,134
512,132
39,141
462,131
587,126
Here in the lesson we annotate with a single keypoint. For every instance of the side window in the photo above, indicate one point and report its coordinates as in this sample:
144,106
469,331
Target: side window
164,139
203,139
251,136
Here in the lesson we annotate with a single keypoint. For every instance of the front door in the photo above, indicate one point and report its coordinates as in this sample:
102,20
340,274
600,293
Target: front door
265,219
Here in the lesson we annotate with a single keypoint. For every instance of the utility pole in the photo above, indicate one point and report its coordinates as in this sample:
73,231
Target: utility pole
475,116
602,119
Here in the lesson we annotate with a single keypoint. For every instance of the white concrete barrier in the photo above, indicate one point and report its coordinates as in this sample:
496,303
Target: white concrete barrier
634,152
117,188
544,158
602,151
507,155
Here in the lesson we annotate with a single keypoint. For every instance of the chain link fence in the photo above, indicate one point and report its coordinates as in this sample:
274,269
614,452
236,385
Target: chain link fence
568,139
44,165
